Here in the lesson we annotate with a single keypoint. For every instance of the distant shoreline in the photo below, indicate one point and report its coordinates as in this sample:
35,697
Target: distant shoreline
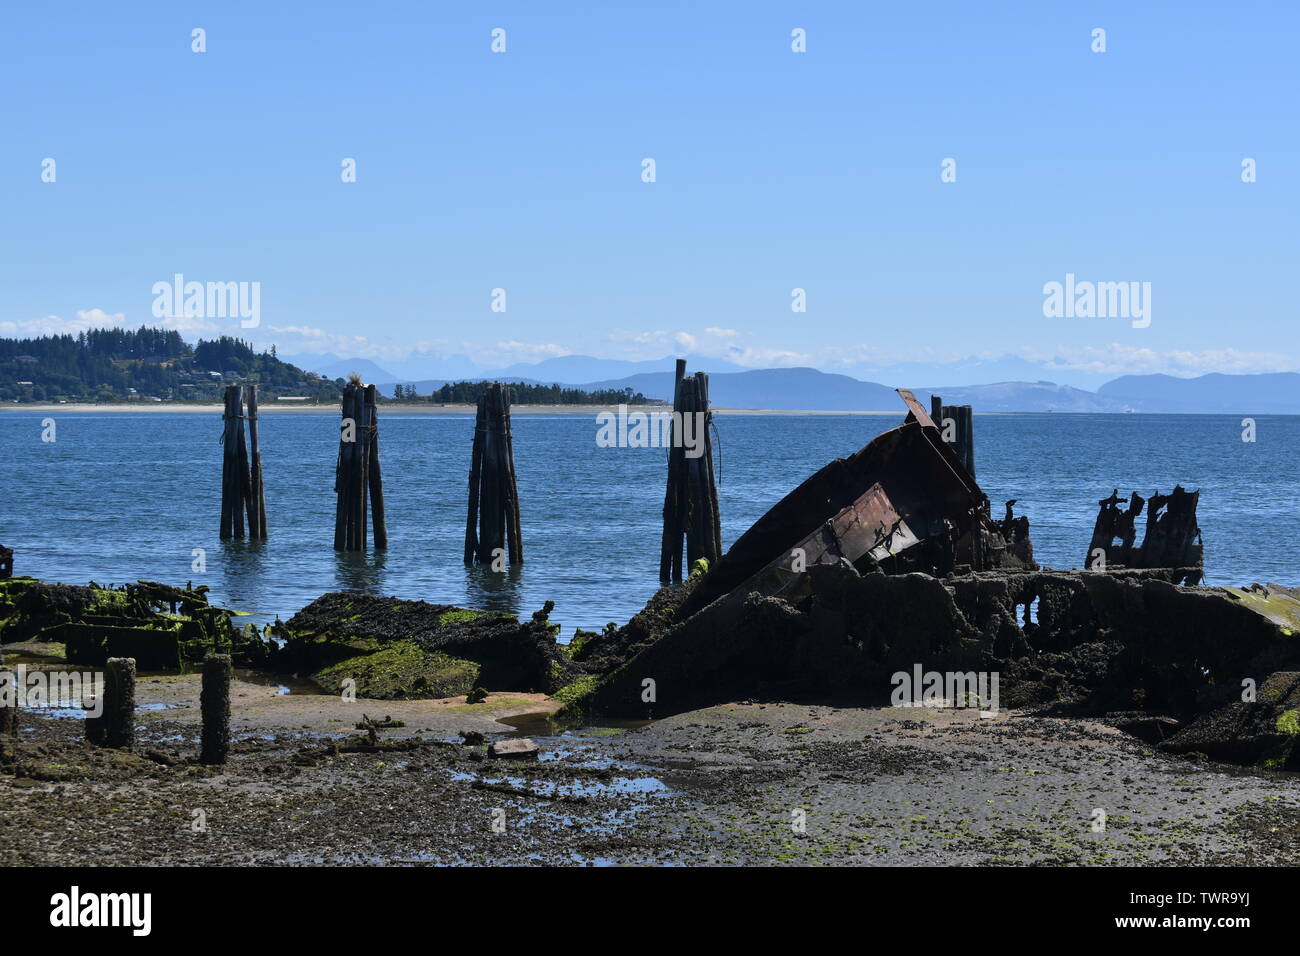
415,409
521,409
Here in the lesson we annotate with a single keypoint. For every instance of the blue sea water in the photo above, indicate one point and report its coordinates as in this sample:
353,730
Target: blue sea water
124,496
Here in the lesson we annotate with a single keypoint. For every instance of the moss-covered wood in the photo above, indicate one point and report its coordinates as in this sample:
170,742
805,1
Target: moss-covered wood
161,627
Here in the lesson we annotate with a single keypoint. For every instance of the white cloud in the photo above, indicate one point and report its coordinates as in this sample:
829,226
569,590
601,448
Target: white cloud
54,325
713,342
1116,359
87,319
513,351
310,340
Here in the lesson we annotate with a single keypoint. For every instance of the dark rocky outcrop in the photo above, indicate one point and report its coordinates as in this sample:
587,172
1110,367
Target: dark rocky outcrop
393,648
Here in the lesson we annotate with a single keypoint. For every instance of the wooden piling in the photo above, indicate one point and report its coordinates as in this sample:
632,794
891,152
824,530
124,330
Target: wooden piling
475,477
214,704
510,484
241,480
116,727
341,476
9,696
229,480
256,504
361,480
962,430
492,522
357,480
691,516
374,478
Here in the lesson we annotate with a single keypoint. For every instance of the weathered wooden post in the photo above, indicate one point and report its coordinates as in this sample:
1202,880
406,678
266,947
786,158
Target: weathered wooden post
9,694
231,506
375,479
342,473
241,482
257,503
956,424
492,524
214,704
116,726
357,476
475,476
670,557
361,468
691,498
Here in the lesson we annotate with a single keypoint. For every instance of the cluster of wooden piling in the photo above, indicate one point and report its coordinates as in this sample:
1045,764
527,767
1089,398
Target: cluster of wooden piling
357,475
241,479
960,433
691,499
492,524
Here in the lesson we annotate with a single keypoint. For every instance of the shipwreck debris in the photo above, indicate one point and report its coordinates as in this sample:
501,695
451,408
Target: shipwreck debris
162,627
521,748
492,527
888,559
905,502
1172,538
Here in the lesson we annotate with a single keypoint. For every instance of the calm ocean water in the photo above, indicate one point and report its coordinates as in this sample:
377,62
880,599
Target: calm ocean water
119,497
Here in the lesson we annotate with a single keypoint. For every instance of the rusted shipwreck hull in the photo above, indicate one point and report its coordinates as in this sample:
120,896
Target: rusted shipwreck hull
905,502
890,559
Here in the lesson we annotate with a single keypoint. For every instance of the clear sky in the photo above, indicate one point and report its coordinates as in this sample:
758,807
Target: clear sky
775,170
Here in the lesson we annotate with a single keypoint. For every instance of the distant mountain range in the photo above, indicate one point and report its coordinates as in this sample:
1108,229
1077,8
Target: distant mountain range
1270,393
786,389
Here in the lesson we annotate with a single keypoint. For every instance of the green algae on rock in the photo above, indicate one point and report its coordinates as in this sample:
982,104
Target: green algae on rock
396,649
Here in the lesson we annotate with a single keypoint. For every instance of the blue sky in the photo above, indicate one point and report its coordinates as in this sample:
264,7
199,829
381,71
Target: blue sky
775,170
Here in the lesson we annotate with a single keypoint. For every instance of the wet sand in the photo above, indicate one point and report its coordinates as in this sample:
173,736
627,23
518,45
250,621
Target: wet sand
739,784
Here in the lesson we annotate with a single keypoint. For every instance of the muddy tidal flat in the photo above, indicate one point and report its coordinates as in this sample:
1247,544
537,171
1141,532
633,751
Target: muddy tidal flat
744,783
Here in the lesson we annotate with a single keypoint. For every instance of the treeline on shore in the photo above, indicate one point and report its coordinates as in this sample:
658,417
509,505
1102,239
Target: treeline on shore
111,365
468,393
157,365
